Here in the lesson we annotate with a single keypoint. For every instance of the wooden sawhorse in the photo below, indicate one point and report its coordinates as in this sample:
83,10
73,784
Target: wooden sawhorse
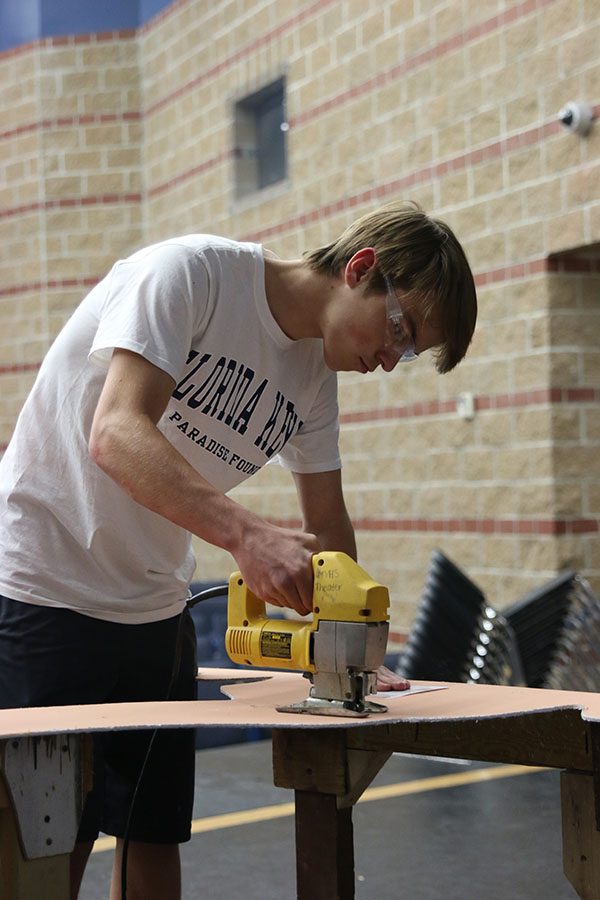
328,762
329,769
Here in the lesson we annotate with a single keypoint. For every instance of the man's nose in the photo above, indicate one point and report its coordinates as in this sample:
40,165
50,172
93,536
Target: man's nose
388,359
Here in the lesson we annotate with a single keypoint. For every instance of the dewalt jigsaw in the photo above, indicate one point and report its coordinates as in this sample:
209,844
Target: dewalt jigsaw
339,651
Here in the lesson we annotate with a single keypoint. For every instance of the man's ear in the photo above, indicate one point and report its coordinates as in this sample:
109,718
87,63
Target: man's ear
359,266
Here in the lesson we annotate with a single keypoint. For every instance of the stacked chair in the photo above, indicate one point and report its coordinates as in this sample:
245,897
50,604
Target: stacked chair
558,632
495,657
548,639
538,622
457,635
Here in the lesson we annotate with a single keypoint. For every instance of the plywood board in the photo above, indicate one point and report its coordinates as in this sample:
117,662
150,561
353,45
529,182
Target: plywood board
253,704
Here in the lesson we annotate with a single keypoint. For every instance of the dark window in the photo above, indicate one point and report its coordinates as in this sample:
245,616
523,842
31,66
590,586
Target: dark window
260,139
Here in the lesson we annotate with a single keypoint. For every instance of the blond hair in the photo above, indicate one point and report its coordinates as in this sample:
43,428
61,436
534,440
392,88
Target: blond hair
423,259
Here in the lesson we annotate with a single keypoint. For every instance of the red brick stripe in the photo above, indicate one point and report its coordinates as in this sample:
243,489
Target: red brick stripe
19,367
398,637
565,263
68,40
483,526
553,396
560,263
72,122
95,37
484,402
69,202
190,173
21,50
51,284
540,527
533,397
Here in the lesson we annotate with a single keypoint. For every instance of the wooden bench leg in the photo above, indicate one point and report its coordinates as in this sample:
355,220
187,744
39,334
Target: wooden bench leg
22,879
328,779
324,848
43,782
581,839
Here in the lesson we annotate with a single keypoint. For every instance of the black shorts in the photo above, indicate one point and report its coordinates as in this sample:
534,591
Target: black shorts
56,657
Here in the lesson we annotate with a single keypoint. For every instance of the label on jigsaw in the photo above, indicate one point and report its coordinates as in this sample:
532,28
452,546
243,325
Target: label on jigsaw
276,644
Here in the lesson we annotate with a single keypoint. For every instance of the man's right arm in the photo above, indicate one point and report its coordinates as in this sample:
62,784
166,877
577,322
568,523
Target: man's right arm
127,445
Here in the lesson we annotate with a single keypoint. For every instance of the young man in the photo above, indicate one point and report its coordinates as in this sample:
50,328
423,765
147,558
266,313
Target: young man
188,367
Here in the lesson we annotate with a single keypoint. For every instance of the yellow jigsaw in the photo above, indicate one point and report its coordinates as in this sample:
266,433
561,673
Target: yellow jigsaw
339,650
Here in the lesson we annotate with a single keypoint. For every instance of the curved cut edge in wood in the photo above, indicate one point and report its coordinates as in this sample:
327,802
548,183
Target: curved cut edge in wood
234,675
253,704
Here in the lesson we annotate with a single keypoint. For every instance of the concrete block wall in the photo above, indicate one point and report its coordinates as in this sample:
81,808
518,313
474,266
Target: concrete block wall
452,103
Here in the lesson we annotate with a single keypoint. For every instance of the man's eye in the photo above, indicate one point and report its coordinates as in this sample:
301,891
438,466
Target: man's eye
400,330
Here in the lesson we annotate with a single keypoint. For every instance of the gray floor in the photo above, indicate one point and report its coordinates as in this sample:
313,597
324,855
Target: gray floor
485,841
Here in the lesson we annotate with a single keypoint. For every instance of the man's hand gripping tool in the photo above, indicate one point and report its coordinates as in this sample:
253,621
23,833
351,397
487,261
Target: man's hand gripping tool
339,651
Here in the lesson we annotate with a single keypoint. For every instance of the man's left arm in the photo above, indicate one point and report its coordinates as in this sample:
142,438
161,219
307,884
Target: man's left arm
322,504
324,514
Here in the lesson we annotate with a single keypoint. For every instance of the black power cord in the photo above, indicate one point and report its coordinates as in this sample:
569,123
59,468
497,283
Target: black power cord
217,591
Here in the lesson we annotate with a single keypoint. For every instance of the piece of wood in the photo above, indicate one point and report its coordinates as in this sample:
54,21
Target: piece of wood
595,748
47,878
362,767
554,738
302,762
328,779
324,848
581,840
4,796
254,705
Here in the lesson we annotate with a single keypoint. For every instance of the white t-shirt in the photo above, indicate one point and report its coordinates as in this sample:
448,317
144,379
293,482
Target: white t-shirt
194,306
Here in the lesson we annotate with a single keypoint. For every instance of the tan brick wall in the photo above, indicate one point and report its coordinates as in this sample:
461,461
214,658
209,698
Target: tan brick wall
22,316
92,162
451,104
71,196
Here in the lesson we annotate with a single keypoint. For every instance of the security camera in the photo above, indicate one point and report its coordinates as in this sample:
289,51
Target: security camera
577,117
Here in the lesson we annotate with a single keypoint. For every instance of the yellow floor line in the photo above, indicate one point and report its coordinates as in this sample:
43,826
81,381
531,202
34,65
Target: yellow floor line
280,810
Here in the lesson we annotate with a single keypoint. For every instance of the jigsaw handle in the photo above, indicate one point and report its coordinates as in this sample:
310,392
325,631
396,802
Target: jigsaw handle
242,605
253,639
